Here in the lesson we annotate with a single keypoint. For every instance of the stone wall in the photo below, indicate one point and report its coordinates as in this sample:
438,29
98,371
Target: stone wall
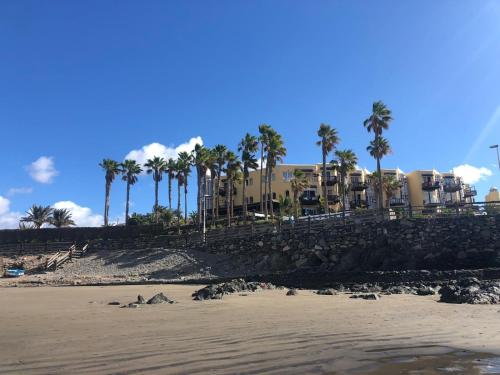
467,242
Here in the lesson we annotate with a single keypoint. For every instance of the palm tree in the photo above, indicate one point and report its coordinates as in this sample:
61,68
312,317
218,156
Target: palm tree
170,168
298,184
186,160
61,217
390,185
111,169
233,174
329,139
275,153
378,121
344,163
38,215
379,148
200,155
130,170
248,146
179,173
285,206
211,164
220,153
156,167
264,131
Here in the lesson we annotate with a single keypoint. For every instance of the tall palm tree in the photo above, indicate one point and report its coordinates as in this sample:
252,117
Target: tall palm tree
170,168
379,148
264,131
275,153
130,170
220,154
200,155
248,146
38,215
186,160
233,174
61,217
329,139
378,121
298,184
179,175
390,186
344,163
111,169
156,167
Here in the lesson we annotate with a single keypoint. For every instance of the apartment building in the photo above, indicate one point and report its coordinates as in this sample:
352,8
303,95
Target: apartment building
493,195
427,188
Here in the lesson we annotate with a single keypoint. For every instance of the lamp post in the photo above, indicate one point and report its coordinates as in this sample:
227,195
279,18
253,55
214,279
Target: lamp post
498,155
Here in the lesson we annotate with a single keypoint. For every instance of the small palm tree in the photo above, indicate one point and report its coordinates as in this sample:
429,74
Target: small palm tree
220,154
248,146
170,167
378,121
298,184
379,148
390,185
111,169
285,206
328,140
276,152
156,167
61,217
130,170
344,163
186,161
38,215
199,158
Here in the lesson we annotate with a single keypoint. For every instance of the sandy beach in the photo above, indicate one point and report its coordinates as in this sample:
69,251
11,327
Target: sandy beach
73,330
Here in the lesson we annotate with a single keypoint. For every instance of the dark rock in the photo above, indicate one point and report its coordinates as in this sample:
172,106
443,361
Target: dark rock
292,292
114,303
131,305
369,296
426,291
140,300
471,291
159,298
326,292
217,291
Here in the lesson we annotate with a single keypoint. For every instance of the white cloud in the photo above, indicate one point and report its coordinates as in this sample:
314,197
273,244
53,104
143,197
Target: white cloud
8,219
82,216
471,174
19,190
157,149
43,170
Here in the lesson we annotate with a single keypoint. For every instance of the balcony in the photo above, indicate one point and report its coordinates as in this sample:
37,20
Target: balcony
330,181
431,185
358,204
309,201
452,203
451,186
358,185
470,192
432,204
333,198
394,202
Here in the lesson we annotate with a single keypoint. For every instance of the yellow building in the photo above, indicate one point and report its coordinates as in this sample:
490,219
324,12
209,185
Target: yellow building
493,195
421,188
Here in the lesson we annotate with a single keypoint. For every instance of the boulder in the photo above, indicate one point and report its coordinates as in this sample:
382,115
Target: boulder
426,291
368,296
114,303
140,300
159,298
326,292
292,292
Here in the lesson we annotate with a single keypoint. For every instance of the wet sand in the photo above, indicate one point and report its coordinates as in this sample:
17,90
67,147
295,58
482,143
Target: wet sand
72,330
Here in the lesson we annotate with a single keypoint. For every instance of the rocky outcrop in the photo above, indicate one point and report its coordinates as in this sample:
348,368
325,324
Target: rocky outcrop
471,291
217,291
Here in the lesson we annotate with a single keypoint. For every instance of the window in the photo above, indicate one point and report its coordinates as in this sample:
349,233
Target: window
287,176
250,182
274,195
251,199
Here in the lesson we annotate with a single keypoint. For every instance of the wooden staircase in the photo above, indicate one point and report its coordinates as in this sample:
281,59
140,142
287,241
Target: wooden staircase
61,257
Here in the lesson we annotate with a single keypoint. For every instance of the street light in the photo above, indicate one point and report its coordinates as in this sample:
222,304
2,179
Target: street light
498,155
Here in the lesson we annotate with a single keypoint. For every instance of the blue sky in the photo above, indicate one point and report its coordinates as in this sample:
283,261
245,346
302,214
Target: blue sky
80,81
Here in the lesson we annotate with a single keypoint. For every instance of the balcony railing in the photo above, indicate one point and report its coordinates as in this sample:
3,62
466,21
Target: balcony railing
470,192
358,204
398,201
333,198
330,181
431,185
358,185
307,200
451,187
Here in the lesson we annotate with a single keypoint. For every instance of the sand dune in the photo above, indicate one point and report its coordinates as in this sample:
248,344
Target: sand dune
72,330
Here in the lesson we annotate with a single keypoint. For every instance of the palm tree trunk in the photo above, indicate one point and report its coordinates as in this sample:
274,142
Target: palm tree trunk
243,192
324,181
212,176
271,193
106,203
265,197
169,191
185,200
179,204
342,186
156,200
380,194
127,202
198,203
218,192
228,202
261,173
